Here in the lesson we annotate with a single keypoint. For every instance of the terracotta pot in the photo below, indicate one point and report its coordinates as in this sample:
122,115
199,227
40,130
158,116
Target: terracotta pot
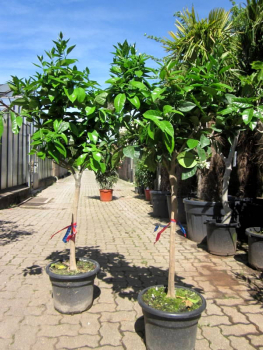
106,195
147,195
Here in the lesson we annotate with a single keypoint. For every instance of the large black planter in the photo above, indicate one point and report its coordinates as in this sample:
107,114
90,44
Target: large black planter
159,203
221,238
181,216
73,294
169,331
255,247
197,213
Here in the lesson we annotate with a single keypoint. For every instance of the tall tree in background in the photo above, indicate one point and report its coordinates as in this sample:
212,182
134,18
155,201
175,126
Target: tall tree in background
198,38
248,23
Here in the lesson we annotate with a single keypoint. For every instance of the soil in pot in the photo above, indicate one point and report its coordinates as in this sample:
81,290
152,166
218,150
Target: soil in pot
73,292
171,324
255,247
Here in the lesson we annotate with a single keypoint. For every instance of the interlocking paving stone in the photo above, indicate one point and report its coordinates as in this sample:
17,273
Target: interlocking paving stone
119,235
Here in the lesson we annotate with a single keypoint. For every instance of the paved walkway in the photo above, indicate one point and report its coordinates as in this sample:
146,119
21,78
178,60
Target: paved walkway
119,235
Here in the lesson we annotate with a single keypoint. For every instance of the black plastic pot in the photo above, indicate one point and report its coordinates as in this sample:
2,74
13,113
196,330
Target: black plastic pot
221,238
159,202
169,331
255,247
139,190
73,294
197,213
181,216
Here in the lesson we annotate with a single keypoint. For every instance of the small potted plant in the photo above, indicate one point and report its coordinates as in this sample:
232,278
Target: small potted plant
106,181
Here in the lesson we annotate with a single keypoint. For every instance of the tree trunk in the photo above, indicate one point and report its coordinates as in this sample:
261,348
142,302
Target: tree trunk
226,179
171,274
72,260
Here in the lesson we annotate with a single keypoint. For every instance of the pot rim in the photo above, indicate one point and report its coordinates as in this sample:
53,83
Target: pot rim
200,202
74,277
250,231
106,190
219,224
170,315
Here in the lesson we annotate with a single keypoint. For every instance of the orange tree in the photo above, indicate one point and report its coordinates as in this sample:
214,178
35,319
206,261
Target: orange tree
70,116
172,120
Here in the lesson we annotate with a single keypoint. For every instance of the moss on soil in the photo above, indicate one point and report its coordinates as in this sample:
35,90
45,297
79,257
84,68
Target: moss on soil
62,268
185,300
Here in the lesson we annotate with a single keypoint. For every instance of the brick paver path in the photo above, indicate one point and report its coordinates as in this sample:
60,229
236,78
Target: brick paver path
119,235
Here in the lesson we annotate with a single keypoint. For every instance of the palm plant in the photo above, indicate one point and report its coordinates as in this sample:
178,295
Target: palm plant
197,38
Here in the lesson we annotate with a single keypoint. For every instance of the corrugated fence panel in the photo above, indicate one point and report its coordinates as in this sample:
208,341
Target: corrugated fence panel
14,158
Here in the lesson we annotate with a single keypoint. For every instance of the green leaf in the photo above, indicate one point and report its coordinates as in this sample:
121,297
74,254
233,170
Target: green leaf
222,86
139,73
191,143
167,127
70,49
138,85
186,106
15,126
103,167
242,105
135,101
131,152
247,115
64,137
1,126
93,136
169,143
201,154
186,174
257,65
53,155
90,110
51,97
97,156
56,125
101,98
60,148
41,155
157,92
204,141
74,129
63,126
154,115
80,160
150,130
80,94
187,159
119,102
252,125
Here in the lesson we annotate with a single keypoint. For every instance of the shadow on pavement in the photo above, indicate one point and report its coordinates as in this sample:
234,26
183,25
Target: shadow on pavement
254,285
11,233
126,279
114,198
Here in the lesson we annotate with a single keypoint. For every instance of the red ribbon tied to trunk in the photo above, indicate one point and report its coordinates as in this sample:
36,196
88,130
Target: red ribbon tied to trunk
165,227
70,228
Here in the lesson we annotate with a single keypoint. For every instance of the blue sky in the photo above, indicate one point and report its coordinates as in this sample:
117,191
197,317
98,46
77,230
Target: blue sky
29,26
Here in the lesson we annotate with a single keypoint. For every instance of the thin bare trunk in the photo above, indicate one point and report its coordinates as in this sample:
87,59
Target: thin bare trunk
226,179
72,260
173,182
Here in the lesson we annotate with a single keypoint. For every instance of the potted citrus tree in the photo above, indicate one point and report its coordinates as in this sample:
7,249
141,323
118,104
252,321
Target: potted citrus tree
157,112
70,117
106,180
